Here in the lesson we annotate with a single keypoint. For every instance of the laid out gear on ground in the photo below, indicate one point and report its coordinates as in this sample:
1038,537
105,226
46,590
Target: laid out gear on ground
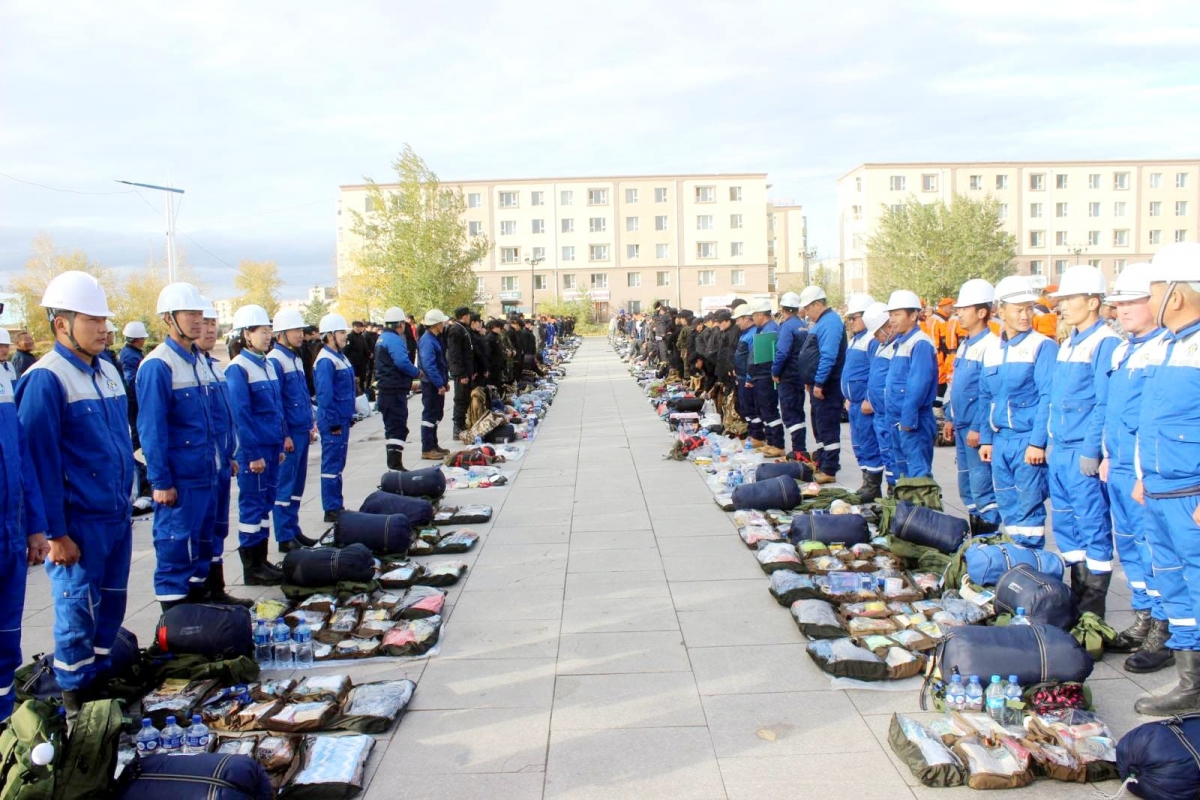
1093,635
1081,279
975,292
929,528
1015,289
85,768
781,492
326,566
226,671
903,300
179,297
205,629
429,482
927,757
332,323
418,510
135,330
76,291
382,534
1162,759
198,776
126,675
842,658
1046,599
847,529
33,723
394,314
288,319
985,563
796,470
250,316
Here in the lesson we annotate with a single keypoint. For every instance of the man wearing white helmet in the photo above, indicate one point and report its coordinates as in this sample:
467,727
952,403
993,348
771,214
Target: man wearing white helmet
394,373
109,340
856,377
1015,392
176,433
333,375
129,359
826,345
1168,462
71,404
966,416
766,397
1148,634
786,373
874,405
1082,525
743,320
435,382
911,388
285,359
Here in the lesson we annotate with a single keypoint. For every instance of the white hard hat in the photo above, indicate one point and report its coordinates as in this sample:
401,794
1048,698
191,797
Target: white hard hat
875,316
1015,289
394,314
763,307
789,300
210,311
859,303
1175,263
976,292
135,330
179,297
810,295
76,291
331,323
288,319
433,316
1081,279
108,326
250,316
1132,284
744,310
904,300
5,338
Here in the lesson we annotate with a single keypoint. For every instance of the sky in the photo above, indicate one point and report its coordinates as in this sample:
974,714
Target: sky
261,110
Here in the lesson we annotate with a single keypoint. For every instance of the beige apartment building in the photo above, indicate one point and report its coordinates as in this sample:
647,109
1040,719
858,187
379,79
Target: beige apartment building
1106,213
694,241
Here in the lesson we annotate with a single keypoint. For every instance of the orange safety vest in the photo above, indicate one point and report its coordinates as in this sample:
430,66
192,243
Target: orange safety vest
945,335
1047,324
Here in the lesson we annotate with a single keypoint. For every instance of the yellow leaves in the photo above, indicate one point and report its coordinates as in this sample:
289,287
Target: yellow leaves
259,284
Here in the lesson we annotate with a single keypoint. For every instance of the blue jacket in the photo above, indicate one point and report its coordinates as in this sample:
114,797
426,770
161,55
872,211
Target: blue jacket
792,336
334,379
831,341
1126,380
741,356
175,418
856,375
76,422
257,405
762,371
293,389
394,371
881,362
1015,386
130,358
1168,433
20,496
912,378
432,358
221,412
1079,392
963,405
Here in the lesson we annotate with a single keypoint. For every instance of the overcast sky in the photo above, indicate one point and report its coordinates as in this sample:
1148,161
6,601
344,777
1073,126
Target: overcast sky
261,110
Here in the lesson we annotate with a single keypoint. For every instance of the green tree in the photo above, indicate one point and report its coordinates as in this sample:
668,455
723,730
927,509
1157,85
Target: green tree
415,249
317,308
44,264
828,279
259,283
933,249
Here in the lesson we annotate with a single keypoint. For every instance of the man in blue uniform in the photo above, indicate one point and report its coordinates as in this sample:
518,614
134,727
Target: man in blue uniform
828,334
744,322
286,360
435,382
334,376
766,396
911,388
129,359
874,406
856,377
394,375
787,374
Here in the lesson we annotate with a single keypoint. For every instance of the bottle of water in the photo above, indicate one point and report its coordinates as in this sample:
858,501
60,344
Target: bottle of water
282,639
172,737
195,740
1013,693
996,701
148,738
716,452
262,645
304,646
749,448
974,694
1020,618
956,694
479,441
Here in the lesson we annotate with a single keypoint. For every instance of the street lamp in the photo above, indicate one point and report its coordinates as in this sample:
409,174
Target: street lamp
533,262
1077,250
171,263
807,254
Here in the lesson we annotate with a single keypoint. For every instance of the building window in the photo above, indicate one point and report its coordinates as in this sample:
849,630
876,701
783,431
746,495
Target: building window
1155,237
510,283
929,183
898,208
539,226
1060,181
539,254
508,199
597,197
662,278
735,194
566,197
1120,180
661,251
856,211
508,227
368,204
1060,209
735,221
1155,180
1094,180
633,251
537,198
1181,208
1037,238
631,224
475,228
707,277
1119,209
660,195
631,195
633,280
1003,211
480,287
1093,209
737,277
474,200
976,183
1001,181
1094,262
1181,235
1035,210
1060,238
539,282
1060,266
1181,180
706,194
736,249
706,249
1121,238
1037,182
897,183
568,252
1093,238
1156,209
858,184
856,241
635,306
660,223
569,280
1035,267
510,255
599,280
598,252
597,225
568,225
704,222
1118,266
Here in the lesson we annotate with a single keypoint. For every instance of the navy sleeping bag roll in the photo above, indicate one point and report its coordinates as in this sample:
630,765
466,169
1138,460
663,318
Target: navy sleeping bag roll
198,776
418,510
429,482
1034,653
782,493
383,534
796,470
1163,757
847,529
929,528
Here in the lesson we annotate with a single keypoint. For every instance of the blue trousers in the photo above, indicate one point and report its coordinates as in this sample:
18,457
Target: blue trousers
1174,540
1129,535
182,536
766,403
334,448
754,423
89,599
12,606
1082,524
917,446
827,429
975,480
293,474
433,408
394,408
256,500
220,528
883,435
791,409
863,440
1021,489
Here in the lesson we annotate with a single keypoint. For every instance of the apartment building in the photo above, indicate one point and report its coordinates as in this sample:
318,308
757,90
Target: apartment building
1105,213
787,250
626,241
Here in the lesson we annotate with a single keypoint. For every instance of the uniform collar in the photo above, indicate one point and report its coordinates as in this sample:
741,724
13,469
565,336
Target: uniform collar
973,339
332,352
859,335
1183,332
1020,337
131,347
255,357
93,369
189,354
286,349
1145,337
904,337
1078,336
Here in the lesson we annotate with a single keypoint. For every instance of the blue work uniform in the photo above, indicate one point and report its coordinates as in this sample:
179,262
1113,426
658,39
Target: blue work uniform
257,407
912,385
431,357
298,420
969,415
130,359
1168,457
175,429
1078,396
880,355
856,378
23,516
766,395
76,422
394,374
830,334
1127,377
1015,392
786,367
746,398
225,436
334,378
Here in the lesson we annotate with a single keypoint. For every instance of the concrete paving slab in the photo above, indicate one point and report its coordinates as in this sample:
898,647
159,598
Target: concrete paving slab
629,700
610,653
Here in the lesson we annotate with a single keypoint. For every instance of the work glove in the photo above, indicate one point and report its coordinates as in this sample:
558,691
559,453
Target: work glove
1090,467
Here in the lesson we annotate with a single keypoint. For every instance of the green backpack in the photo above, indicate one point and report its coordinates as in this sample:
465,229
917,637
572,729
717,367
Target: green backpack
82,767
31,723
229,672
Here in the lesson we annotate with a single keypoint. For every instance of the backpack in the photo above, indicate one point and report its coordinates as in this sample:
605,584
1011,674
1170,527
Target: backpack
229,672
127,676
89,759
917,491
31,723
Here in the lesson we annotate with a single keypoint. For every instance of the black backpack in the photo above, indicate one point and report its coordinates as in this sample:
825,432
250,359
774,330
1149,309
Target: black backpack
204,629
1046,599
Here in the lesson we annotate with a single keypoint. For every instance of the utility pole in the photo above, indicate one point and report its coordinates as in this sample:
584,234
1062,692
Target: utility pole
533,263
807,255
172,266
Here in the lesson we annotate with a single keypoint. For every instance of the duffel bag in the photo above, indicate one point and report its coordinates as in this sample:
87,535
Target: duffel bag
326,566
124,676
1162,758
201,776
501,434
796,470
986,563
924,526
1046,599
686,405
847,529
206,629
782,493
429,482
418,510
386,534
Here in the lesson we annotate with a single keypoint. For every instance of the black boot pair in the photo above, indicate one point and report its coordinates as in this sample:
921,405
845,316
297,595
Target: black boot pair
1090,589
256,570
1184,698
395,458
872,486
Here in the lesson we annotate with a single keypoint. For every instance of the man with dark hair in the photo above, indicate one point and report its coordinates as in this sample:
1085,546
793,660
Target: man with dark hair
371,335
461,363
497,354
359,355
482,365
308,353
22,357
396,375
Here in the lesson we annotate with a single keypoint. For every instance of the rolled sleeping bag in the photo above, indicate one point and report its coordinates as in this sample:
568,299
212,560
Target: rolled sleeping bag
987,562
847,529
199,776
686,405
796,470
429,482
1162,757
206,629
328,566
929,528
384,534
418,510
1046,599
782,493
1034,653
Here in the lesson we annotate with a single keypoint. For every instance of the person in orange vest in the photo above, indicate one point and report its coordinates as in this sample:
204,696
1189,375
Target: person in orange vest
943,330
1045,314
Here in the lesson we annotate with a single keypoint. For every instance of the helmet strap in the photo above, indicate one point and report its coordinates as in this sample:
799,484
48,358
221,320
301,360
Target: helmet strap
179,330
70,315
1162,308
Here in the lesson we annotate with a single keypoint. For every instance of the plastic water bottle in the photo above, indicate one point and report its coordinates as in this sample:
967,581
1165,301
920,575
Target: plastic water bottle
282,638
749,448
996,700
148,738
974,694
956,694
172,737
195,740
262,645
304,647
479,441
1020,618
716,451
1013,693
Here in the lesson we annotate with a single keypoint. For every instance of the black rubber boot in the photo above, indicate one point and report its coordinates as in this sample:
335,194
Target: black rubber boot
395,458
1130,640
274,569
254,568
332,516
216,589
1184,698
1154,653
1093,596
306,541
288,546
870,491
981,527
1077,581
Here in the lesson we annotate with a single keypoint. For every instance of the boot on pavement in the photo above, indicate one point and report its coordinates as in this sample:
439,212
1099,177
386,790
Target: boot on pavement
772,452
216,589
255,570
430,455
288,546
1184,698
1130,640
1093,593
870,491
1154,653
395,459
821,477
